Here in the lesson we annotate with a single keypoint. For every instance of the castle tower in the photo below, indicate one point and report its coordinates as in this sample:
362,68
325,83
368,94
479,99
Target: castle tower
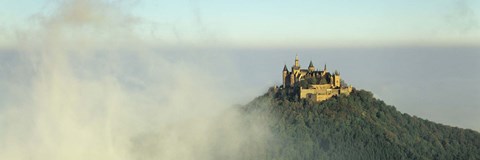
336,79
284,76
292,79
311,68
296,67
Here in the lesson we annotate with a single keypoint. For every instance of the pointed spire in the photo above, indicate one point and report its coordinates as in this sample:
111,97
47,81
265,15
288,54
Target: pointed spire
297,65
325,67
285,68
311,68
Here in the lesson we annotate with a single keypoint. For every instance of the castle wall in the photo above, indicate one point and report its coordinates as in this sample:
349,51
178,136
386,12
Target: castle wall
318,91
317,95
305,92
320,98
322,86
322,92
346,90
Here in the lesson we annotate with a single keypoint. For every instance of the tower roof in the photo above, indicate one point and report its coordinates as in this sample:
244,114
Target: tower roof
311,64
337,73
285,68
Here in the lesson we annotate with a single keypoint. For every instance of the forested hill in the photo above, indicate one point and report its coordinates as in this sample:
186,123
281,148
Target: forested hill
358,126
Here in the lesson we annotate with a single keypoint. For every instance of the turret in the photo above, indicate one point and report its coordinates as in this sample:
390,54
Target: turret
296,66
311,68
336,79
292,79
324,72
296,61
284,76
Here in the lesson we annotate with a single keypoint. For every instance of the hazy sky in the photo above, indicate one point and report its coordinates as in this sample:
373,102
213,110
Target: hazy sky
270,23
421,56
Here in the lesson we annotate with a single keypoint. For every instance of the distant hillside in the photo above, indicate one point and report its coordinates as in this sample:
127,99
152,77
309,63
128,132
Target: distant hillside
358,126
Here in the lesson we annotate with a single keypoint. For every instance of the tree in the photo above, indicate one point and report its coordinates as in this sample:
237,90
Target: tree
358,126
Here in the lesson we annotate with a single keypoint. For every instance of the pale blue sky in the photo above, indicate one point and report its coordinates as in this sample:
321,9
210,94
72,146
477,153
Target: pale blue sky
284,23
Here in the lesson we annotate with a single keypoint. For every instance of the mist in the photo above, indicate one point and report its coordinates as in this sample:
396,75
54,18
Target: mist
82,84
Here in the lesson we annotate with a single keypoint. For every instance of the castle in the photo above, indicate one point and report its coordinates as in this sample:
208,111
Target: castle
313,84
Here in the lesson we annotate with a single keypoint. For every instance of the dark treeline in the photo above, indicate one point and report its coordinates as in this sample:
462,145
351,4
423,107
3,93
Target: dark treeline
357,126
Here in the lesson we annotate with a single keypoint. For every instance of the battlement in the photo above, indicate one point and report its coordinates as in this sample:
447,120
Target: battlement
313,84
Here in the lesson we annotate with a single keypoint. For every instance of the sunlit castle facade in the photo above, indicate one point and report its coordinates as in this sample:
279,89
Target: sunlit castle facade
317,85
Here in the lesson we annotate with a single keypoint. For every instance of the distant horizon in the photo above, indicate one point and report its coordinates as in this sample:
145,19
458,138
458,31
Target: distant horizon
449,69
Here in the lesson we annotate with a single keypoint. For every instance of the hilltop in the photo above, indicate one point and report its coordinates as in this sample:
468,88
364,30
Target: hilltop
356,126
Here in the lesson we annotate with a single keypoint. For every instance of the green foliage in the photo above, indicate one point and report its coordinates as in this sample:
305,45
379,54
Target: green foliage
358,127
311,80
304,84
323,81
